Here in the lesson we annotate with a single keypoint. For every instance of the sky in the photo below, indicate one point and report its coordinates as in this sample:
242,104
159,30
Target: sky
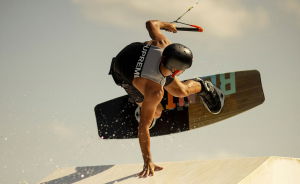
54,60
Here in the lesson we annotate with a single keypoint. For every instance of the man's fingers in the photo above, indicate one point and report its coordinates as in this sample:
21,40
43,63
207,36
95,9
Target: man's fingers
151,171
141,174
158,168
147,172
174,28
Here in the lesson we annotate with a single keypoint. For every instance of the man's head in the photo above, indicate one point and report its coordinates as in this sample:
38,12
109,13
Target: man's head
177,58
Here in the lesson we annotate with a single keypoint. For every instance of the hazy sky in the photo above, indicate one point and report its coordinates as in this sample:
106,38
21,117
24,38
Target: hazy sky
54,60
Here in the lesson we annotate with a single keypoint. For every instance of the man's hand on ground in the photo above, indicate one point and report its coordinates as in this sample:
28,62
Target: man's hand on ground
149,169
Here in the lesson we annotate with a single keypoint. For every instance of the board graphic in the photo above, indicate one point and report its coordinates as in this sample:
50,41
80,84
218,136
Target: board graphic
243,91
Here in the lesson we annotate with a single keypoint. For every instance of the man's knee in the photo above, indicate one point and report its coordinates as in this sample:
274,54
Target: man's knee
158,111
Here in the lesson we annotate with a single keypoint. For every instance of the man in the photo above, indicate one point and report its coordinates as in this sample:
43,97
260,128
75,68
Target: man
144,70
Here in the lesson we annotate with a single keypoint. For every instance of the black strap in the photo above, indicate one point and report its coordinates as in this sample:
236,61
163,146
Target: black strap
112,65
115,75
169,80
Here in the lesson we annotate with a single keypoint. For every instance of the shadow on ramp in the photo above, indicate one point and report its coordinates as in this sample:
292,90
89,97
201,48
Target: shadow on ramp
81,173
122,179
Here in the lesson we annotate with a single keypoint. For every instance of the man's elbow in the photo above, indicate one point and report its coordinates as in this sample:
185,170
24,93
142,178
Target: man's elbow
150,24
182,94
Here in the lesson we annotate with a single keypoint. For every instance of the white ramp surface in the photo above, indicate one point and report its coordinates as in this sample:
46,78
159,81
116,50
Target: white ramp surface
261,170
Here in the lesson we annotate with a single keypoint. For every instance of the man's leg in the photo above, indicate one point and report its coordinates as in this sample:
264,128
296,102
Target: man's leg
212,97
158,110
135,96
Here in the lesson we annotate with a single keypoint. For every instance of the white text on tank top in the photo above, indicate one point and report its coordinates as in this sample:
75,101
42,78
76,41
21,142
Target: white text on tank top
149,67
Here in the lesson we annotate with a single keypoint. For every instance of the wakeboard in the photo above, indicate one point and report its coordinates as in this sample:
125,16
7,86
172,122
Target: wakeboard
116,118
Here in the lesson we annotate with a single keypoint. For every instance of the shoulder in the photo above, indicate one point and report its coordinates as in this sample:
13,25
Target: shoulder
154,91
148,87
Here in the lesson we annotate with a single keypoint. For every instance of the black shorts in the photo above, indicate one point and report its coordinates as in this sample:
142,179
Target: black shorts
135,96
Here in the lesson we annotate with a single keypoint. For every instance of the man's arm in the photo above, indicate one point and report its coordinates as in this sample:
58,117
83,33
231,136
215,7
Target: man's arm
183,89
152,96
212,97
154,28
151,100
153,93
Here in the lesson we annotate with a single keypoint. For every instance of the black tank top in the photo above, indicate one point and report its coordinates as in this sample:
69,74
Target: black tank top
140,60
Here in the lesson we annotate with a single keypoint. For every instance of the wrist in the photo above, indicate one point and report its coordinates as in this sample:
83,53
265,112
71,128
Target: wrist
165,25
147,158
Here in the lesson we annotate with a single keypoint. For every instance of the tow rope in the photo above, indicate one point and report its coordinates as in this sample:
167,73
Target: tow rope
191,27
